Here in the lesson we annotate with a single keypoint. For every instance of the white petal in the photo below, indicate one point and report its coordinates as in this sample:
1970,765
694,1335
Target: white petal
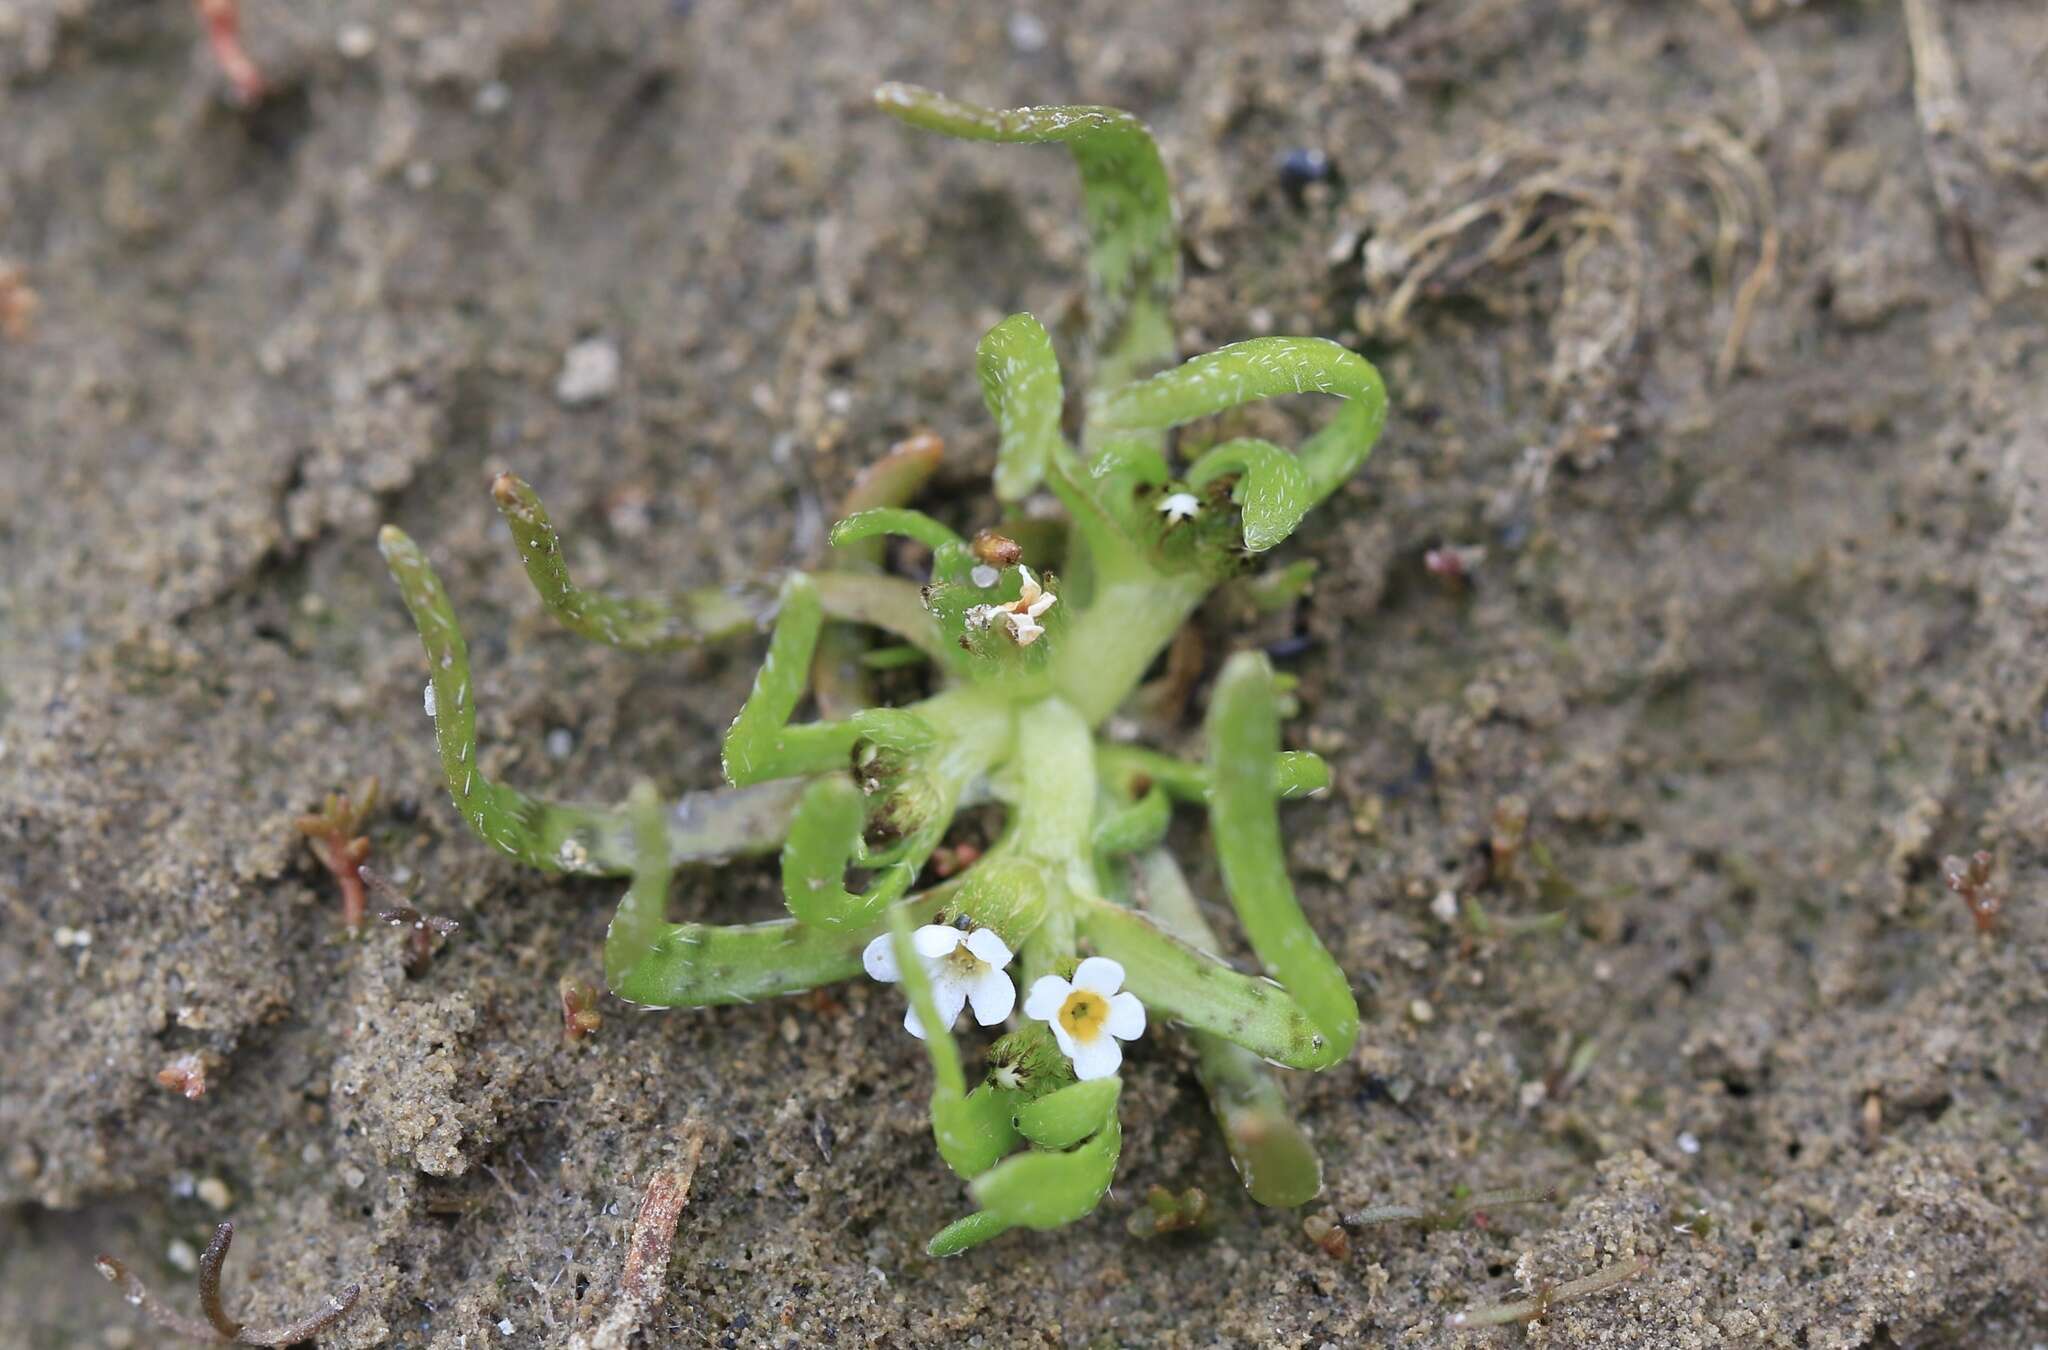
912,1023
1048,992
986,946
951,998
993,997
1068,1045
880,959
1025,630
936,939
1099,1058
1099,975
1126,1017
1041,604
1028,587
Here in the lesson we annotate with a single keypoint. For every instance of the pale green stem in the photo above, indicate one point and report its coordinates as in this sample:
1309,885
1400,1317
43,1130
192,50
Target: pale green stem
1105,651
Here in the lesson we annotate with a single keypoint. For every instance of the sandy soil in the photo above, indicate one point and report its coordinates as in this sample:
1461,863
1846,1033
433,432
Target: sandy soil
1718,327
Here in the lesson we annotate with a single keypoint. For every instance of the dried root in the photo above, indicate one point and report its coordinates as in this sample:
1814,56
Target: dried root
218,1326
1548,1296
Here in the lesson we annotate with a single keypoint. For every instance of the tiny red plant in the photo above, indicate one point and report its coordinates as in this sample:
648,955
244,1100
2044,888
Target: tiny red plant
1972,881
334,835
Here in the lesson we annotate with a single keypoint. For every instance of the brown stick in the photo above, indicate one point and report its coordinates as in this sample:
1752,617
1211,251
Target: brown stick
218,1326
647,1251
1544,1299
1938,101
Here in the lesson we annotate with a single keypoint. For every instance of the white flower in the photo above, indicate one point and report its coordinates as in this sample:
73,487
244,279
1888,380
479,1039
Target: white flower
1089,1016
1021,614
1180,506
963,968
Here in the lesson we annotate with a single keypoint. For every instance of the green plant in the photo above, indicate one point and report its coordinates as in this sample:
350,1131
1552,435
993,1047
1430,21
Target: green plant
1026,667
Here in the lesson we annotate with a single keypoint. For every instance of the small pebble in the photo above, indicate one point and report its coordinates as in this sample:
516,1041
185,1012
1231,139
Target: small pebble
791,1032
353,1177
505,1327
492,98
1300,167
1445,906
420,175
560,743
215,1193
590,372
1027,32
356,41
183,1255
1420,1012
1688,1143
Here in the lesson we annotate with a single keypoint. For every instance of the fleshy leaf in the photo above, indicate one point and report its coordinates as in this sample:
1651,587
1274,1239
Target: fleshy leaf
761,744
1134,240
1246,372
1243,733
1275,1159
1020,382
632,623
554,836
1063,1118
1044,1189
1272,492
823,838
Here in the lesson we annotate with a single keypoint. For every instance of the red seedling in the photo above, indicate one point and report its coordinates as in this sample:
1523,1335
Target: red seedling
1972,881
333,833
223,20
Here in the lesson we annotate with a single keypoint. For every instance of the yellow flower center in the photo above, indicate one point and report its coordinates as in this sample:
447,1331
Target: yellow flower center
963,963
1083,1014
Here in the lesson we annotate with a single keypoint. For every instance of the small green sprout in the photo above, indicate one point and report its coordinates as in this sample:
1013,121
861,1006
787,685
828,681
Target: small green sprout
1026,666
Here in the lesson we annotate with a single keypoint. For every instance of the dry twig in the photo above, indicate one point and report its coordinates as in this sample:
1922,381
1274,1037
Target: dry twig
647,1252
218,1326
1548,1296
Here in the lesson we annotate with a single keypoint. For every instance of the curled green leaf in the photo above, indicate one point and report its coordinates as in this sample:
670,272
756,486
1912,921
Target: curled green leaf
841,665
1135,825
761,744
1272,492
1020,382
1134,240
1262,368
633,623
881,521
823,838
554,836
